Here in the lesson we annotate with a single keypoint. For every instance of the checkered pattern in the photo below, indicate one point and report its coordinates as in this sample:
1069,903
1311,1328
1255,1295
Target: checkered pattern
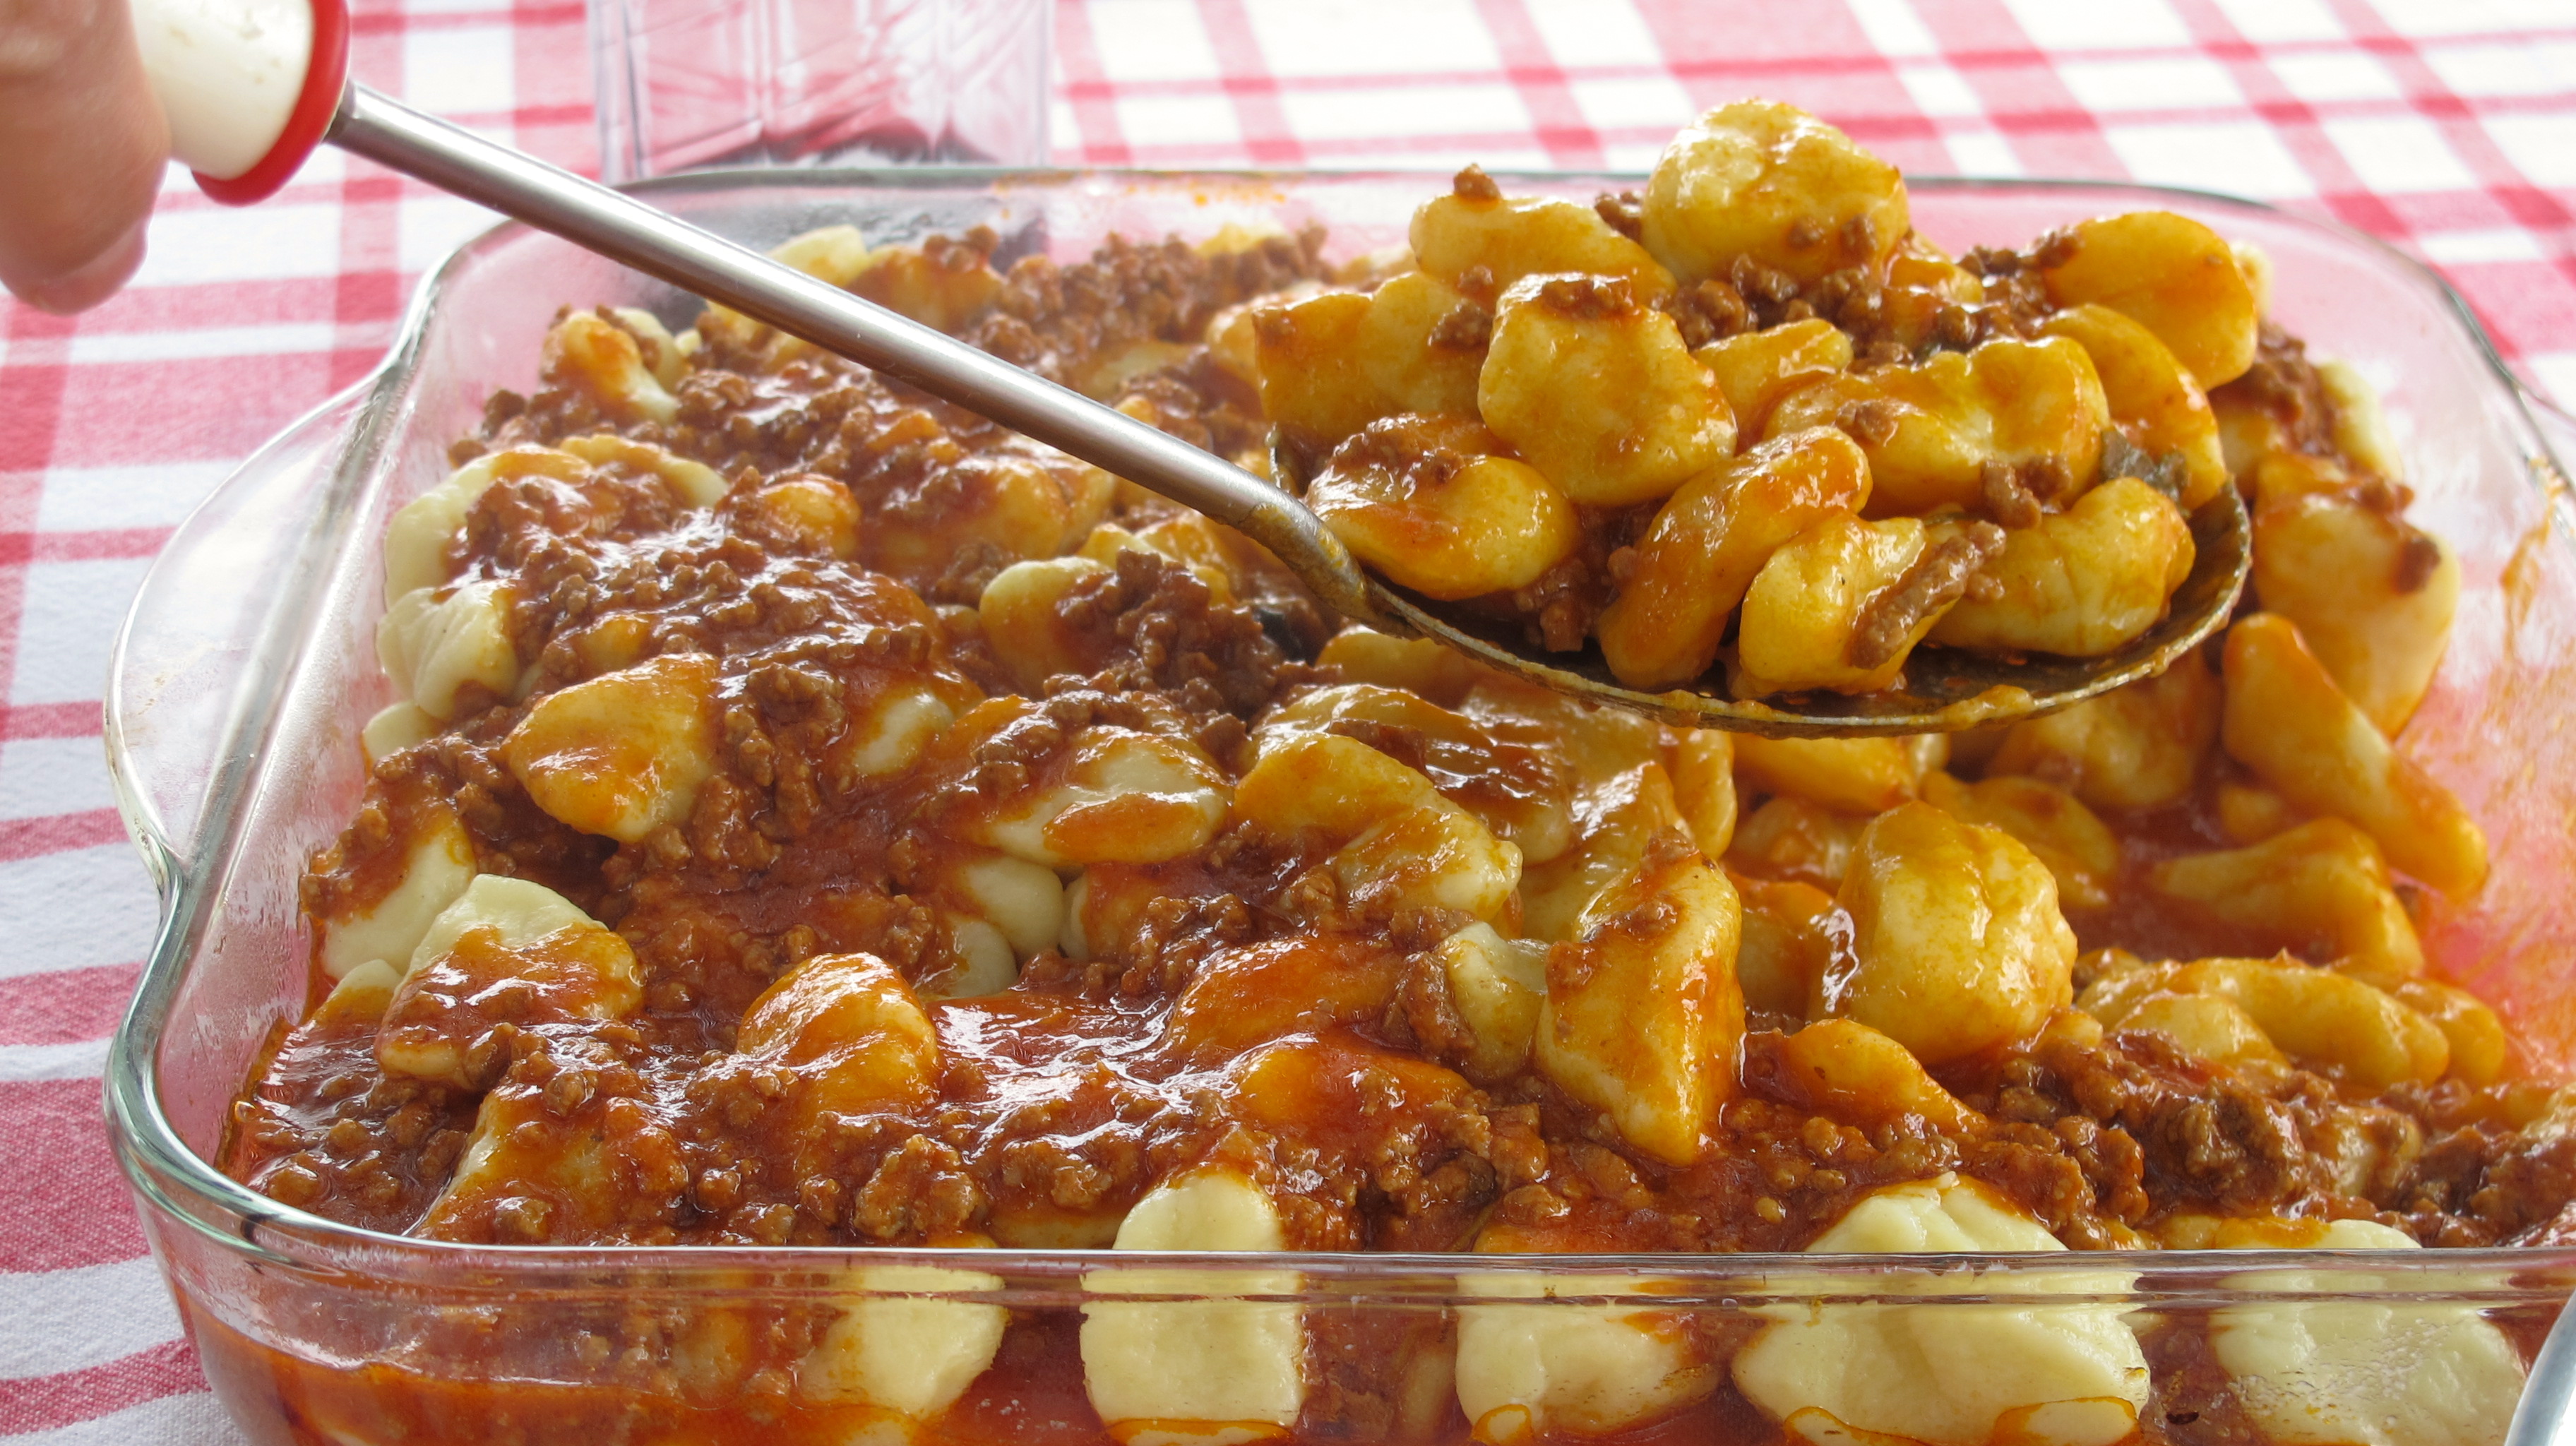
2447,126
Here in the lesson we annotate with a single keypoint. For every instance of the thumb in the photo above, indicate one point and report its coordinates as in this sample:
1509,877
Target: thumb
82,143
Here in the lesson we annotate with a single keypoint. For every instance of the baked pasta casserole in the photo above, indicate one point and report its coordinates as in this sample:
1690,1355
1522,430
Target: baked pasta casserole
814,816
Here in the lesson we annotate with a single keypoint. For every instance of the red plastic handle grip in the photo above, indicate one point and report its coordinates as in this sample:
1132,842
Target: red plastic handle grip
326,77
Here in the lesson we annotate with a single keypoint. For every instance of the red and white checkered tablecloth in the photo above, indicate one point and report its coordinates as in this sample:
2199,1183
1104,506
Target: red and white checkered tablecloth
2447,126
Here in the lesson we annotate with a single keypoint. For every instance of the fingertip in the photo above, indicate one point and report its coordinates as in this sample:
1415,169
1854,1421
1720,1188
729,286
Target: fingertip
97,280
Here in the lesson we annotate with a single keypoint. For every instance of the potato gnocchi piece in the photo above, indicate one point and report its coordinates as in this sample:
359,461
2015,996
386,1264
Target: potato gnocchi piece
1023,901
1024,621
1244,997
901,1347
1391,841
2251,815
889,733
1931,428
2135,747
665,356
939,283
2322,1016
1806,620
1755,369
833,254
1950,1375
2363,1373
416,539
1423,345
2373,597
1189,540
1956,938
2480,1048
1643,1020
1329,364
1703,774
393,728
1923,284
1196,1371
1378,1101
2280,475
1543,1372
1621,825
1115,796
622,754
694,483
527,1176
2153,398
2286,720
1788,939
968,958
1517,791
1433,503
1308,354
1854,775
1597,391
1851,1072
602,360
361,997
1026,502
1498,987
1707,544
1477,228
2321,885
437,866
946,288
1602,744
1793,840
2361,429
2173,275
435,643
2083,582
806,514
2080,850
2207,1025
507,951
850,1030
1434,671
1768,181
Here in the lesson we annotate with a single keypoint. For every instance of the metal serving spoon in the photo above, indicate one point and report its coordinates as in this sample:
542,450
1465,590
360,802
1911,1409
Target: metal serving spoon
251,87
2546,1414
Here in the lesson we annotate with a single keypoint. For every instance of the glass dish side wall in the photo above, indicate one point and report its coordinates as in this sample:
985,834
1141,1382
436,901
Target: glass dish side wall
233,728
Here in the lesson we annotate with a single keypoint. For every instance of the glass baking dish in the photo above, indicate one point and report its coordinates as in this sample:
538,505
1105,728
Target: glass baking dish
248,663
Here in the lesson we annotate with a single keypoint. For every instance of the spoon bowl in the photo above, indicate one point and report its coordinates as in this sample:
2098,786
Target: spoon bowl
1942,690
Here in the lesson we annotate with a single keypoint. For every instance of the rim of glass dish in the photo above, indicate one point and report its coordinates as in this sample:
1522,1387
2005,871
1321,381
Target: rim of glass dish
168,1176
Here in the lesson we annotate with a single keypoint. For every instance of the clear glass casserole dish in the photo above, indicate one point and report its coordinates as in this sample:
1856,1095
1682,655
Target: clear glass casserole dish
248,664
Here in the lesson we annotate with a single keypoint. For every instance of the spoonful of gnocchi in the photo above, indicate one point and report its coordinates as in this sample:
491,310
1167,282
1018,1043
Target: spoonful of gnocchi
1741,452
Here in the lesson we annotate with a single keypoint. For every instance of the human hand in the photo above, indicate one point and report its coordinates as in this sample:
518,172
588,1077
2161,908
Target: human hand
82,142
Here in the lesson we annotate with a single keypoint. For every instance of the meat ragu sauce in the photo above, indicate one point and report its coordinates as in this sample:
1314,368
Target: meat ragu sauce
822,818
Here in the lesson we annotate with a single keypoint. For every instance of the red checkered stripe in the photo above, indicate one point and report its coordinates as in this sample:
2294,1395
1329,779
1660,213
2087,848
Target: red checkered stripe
2404,119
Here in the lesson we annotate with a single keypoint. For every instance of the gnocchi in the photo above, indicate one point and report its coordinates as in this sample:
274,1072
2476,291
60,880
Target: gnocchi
818,819
1596,389
1957,941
